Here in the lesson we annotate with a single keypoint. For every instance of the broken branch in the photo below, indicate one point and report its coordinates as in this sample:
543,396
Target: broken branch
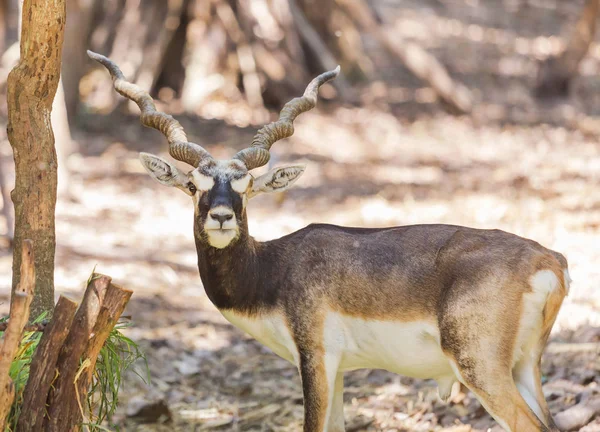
43,366
19,314
114,303
73,348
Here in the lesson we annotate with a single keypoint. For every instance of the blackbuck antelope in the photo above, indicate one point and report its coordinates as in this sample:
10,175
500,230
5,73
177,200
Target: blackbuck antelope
427,301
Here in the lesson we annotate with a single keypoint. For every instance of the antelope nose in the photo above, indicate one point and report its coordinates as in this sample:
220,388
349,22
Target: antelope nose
221,217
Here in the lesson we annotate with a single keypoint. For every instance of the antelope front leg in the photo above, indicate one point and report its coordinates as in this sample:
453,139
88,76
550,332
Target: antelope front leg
318,372
336,417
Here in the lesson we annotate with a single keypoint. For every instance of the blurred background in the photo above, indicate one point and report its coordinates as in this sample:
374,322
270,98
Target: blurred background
470,112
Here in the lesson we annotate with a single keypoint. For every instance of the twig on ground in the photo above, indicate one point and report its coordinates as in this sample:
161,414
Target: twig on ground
559,348
579,415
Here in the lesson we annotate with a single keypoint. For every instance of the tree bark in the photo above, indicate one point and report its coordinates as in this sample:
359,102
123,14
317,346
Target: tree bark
6,208
32,85
19,314
43,366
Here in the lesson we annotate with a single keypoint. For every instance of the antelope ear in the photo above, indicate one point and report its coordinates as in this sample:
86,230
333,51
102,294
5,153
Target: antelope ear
277,180
163,172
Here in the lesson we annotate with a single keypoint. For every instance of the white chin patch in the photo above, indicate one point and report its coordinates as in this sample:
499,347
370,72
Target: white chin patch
221,238
240,185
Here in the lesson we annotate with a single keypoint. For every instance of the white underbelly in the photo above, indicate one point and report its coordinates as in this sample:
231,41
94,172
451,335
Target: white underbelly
406,348
410,349
270,330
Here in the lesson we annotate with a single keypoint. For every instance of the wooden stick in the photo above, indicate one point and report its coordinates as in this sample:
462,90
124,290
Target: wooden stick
578,415
63,390
559,348
43,366
19,314
114,303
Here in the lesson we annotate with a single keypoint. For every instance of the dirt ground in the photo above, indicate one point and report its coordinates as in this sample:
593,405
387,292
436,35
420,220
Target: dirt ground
517,164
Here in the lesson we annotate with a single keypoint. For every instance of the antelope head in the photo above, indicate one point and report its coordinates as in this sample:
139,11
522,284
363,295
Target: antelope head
219,189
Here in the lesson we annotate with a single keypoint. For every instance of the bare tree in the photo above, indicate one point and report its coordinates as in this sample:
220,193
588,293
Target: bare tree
32,85
77,34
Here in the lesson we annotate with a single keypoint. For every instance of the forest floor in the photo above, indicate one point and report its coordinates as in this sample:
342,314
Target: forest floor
517,164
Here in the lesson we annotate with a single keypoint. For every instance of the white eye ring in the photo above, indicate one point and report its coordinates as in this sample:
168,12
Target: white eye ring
241,185
203,182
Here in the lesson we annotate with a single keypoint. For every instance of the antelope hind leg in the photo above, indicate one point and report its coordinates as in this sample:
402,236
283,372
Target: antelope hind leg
528,377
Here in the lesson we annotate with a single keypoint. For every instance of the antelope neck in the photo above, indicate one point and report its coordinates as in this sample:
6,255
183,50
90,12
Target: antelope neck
231,276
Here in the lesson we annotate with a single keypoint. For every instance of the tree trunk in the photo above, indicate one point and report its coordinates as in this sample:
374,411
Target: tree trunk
77,35
3,19
12,22
163,25
206,47
418,61
555,74
32,85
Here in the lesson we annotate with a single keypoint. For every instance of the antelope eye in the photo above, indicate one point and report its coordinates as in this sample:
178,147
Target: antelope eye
192,188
